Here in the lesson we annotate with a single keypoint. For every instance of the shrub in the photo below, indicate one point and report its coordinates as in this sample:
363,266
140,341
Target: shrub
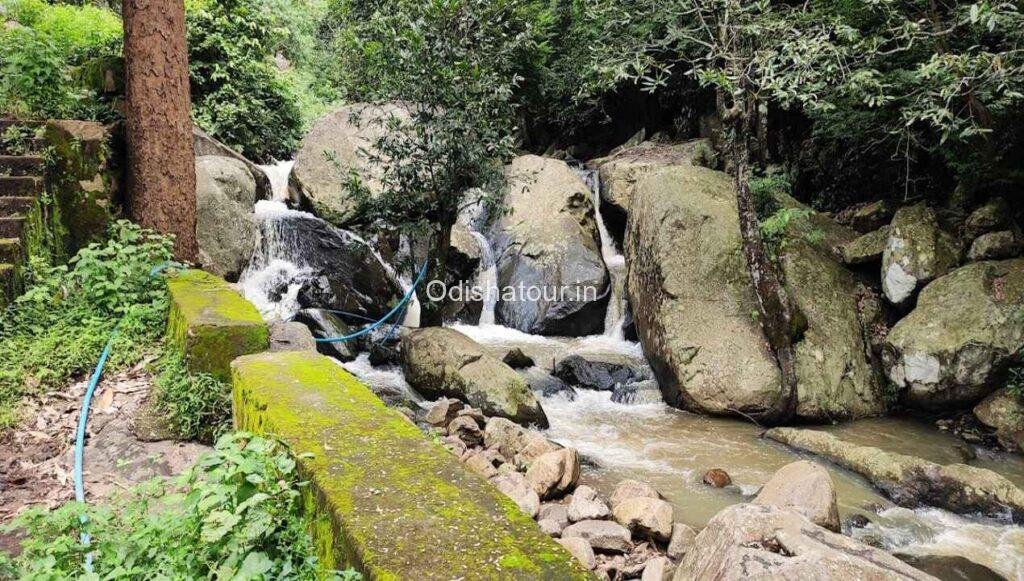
196,406
57,329
238,515
237,93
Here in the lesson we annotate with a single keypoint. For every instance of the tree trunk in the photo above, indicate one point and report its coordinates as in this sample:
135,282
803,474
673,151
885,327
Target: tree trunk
774,308
161,176
432,312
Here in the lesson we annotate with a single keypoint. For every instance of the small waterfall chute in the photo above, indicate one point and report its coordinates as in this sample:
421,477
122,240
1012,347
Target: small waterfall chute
487,279
614,261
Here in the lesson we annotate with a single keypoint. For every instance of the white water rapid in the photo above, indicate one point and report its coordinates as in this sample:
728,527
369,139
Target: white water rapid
614,261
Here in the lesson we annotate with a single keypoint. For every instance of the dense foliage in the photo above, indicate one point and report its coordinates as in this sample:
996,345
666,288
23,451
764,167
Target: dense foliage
196,406
42,49
56,330
236,515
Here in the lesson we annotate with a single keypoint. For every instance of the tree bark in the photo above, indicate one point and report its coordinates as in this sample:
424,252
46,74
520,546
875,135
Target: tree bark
160,177
775,310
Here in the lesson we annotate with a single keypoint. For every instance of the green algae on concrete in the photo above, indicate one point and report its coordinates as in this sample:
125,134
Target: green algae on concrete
386,500
211,324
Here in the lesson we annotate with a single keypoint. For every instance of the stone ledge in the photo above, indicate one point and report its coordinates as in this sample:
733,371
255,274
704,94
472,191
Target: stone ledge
385,499
211,324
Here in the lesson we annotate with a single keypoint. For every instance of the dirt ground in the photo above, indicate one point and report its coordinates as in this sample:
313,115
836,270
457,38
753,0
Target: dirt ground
36,458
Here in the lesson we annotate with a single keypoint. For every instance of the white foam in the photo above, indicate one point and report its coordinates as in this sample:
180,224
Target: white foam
278,174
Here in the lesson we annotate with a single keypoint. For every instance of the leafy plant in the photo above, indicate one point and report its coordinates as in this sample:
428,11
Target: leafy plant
237,514
197,406
58,327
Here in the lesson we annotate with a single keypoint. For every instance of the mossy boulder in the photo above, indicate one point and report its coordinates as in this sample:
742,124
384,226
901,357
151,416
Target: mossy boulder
917,252
210,324
836,379
1003,412
691,294
955,346
386,500
440,362
867,247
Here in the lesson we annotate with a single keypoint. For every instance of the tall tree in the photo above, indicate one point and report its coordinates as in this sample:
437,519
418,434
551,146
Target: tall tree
161,177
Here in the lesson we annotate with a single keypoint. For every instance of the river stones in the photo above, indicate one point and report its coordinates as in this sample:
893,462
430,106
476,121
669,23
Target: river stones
515,486
581,549
291,336
808,489
954,347
440,362
680,541
603,535
658,569
1003,412
587,505
341,144
716,478
917,252
466,429
444,411
516,359
323,323
599,375
225,229
555,473
755,541
632,489
552,278
691,295
910,481
553,518
645,517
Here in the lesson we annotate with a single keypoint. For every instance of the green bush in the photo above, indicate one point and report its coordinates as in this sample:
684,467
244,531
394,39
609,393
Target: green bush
196,406
237,514
57,329
238,94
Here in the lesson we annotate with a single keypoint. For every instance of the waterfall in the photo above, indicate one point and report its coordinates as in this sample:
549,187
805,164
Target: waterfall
614,261
278,174
487,279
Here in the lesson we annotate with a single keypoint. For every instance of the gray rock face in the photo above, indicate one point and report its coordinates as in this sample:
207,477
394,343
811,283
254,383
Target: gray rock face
691,294
550,252
339,145
917,252
225,228
808,489
954,347
910,481
205,145
753,541
291,336
442,362
323,323
603,535
645,517
586,505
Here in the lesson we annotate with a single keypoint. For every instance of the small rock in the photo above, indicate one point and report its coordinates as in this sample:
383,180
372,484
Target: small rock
995,246
632,489
536,446
866,217
808,489
992,216
681,540
580,549
476,462
586,505
466,429
494,457
505,435
555,473
867,248
658,569
444,411
474,413
603,535
291,336
550,527
648,517
515,486
717,478
555,512
516,359
454,445
857,521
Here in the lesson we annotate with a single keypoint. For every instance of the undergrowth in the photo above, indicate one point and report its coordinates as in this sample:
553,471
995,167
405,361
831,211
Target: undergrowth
196,406
237,514
56,330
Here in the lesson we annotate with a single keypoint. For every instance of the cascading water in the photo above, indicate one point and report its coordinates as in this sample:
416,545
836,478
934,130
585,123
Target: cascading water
278,174
614,261
487,279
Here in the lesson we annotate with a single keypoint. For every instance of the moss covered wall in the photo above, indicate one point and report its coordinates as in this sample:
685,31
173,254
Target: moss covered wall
386,500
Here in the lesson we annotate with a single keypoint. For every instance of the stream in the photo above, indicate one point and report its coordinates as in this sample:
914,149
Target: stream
670,448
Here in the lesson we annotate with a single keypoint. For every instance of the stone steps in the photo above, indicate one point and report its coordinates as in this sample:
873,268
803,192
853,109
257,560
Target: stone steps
10,250
11,226
21,165
15,205
18,186
8,280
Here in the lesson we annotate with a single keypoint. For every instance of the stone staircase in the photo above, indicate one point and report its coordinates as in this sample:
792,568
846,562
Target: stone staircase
21,182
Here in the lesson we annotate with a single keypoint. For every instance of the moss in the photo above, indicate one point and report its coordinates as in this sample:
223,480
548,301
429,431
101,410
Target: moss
389,502
211,324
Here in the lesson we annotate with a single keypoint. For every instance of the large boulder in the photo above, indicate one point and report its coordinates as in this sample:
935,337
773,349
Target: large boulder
836,378
917,252
755,541
600,375
955,346
440,362
1003,412
225,229
911,481
691,294
550,252
340,145
205,145
334,269
807,488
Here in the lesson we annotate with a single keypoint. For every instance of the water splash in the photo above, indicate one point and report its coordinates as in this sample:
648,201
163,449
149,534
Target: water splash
278,174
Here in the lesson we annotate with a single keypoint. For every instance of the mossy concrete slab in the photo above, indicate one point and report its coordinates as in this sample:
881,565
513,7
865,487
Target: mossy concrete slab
385,499
211,324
